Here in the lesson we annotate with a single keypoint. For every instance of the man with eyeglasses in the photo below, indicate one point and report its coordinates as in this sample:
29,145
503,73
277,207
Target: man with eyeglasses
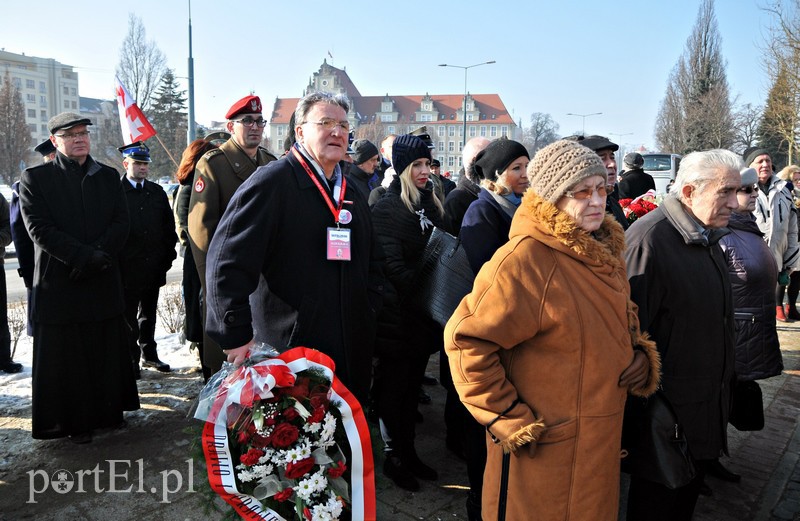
303,226
679,281
75,212
218,174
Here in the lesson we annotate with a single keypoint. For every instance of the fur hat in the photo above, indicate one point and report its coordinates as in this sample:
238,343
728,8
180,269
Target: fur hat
407,149
749,176
633,160
363,150
752,153
66,120
495,158
561,165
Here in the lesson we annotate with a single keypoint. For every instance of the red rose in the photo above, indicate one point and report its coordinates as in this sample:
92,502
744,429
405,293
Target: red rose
299,390
260,442
317,415
319,400
284,435
243,437
298,469
284,494
290,413
251,457
337,470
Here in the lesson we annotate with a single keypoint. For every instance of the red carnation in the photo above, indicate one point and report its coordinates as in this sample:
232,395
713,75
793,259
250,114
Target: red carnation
284,494
298,469
319,400
317,415
284,435
251,457
338,470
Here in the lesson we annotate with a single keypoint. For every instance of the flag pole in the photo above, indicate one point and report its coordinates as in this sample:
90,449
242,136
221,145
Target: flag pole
167,151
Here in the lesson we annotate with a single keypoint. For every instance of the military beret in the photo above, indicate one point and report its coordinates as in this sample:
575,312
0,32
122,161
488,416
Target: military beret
45,148
66,120
247,105
137,151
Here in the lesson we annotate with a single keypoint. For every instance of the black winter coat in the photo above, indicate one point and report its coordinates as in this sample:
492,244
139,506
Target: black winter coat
403,236
70,210
150,248
457,202
634,183
359,179
679,280
22,241
754,275
275,226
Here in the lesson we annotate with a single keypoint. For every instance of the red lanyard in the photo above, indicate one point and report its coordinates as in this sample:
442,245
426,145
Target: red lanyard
315,178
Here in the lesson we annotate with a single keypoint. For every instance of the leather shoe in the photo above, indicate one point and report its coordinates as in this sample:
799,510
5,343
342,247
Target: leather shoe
793,313
81,438
395,469
419,468
715,468
705,490
11,367
156,364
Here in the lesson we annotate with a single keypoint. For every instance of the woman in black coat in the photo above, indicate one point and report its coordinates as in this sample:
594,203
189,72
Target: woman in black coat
403,220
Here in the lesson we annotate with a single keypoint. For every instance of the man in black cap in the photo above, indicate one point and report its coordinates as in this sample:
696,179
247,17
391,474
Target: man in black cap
634,181
446,185
365,162
605,149
147,255
75,212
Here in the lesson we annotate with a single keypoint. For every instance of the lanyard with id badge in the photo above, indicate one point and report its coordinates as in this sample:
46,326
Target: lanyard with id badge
337,240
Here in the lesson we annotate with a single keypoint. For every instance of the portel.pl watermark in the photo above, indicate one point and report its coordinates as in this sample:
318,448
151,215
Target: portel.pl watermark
120,476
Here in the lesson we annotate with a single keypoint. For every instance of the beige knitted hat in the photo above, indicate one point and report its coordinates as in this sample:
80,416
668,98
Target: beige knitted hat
560,166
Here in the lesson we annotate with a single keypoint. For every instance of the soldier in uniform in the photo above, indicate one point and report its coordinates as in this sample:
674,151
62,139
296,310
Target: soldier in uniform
147,255
218,174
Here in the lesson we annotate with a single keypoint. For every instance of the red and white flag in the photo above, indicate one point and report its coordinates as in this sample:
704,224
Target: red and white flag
135,126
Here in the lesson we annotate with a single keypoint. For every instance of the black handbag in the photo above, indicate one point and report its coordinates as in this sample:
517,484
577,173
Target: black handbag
443,277
747,407
655,443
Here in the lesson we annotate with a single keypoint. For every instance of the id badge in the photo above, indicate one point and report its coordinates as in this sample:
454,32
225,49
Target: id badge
338,244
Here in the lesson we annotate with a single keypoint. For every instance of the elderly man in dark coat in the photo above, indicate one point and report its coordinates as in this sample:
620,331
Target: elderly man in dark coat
679,280
300,224
74,210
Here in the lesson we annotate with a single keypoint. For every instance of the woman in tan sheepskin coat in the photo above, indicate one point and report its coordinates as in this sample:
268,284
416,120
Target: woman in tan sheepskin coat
546,347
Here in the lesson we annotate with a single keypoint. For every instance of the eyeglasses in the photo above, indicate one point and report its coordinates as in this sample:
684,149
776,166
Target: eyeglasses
73,136
746,190
586,193
330,124
248,122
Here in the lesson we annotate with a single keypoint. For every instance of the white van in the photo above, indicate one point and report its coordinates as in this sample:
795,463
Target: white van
663,168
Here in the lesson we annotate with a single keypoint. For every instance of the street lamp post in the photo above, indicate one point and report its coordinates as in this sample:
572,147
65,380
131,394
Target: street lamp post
618,154
464,115
584,116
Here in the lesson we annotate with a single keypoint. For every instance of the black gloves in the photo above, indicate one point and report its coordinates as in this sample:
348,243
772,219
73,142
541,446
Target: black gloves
98,261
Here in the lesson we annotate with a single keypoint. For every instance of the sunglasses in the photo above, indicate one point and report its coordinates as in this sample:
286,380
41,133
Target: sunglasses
747,190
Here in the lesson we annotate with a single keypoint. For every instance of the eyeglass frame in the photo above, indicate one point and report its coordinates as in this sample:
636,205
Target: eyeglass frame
587,193
330,124
73,136
746,190
260,122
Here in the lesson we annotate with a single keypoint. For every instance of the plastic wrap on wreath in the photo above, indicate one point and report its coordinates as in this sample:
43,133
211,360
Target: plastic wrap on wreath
284,439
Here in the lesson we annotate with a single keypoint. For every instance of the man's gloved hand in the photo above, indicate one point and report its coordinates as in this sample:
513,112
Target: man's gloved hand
98,261
783,278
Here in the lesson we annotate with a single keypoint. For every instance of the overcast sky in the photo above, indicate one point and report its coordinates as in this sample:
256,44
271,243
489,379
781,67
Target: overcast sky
556,57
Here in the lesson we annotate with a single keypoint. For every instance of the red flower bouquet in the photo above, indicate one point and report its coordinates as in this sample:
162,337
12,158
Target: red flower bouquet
284,439
642,205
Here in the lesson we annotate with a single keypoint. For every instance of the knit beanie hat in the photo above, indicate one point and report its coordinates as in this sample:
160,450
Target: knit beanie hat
633,160
561,165
495,158
363,149
407,149
749,176
752,153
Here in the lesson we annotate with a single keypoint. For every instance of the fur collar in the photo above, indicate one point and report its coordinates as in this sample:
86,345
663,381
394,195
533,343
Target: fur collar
541,219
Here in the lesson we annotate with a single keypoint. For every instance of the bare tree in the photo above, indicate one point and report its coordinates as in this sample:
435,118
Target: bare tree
696,111
15,136
374,132
542,132
141,63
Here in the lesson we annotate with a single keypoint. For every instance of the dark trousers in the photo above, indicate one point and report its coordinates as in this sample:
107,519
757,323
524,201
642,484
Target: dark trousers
794,289
5,335
140,317
397,383
649,501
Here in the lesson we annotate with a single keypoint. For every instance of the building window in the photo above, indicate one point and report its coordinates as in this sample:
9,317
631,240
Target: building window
386,106
75,105
451,146
504,131
73,91
43,115
31,98
66,104
441,146
441,159
460,162
30,84
483,130
43,101
451,130
66,91
492,131
280,130
460,146
472,131
425,117
390,129
386,118
460,131
32,127
31,113
44,129
450,161
42,86
440,131
470,117
17,83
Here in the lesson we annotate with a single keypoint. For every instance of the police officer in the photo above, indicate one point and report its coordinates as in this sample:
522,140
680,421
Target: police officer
217,176
147,255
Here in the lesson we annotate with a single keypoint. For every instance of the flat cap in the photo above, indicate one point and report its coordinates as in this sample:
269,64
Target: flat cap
594,142
247,105
45,148
66,120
